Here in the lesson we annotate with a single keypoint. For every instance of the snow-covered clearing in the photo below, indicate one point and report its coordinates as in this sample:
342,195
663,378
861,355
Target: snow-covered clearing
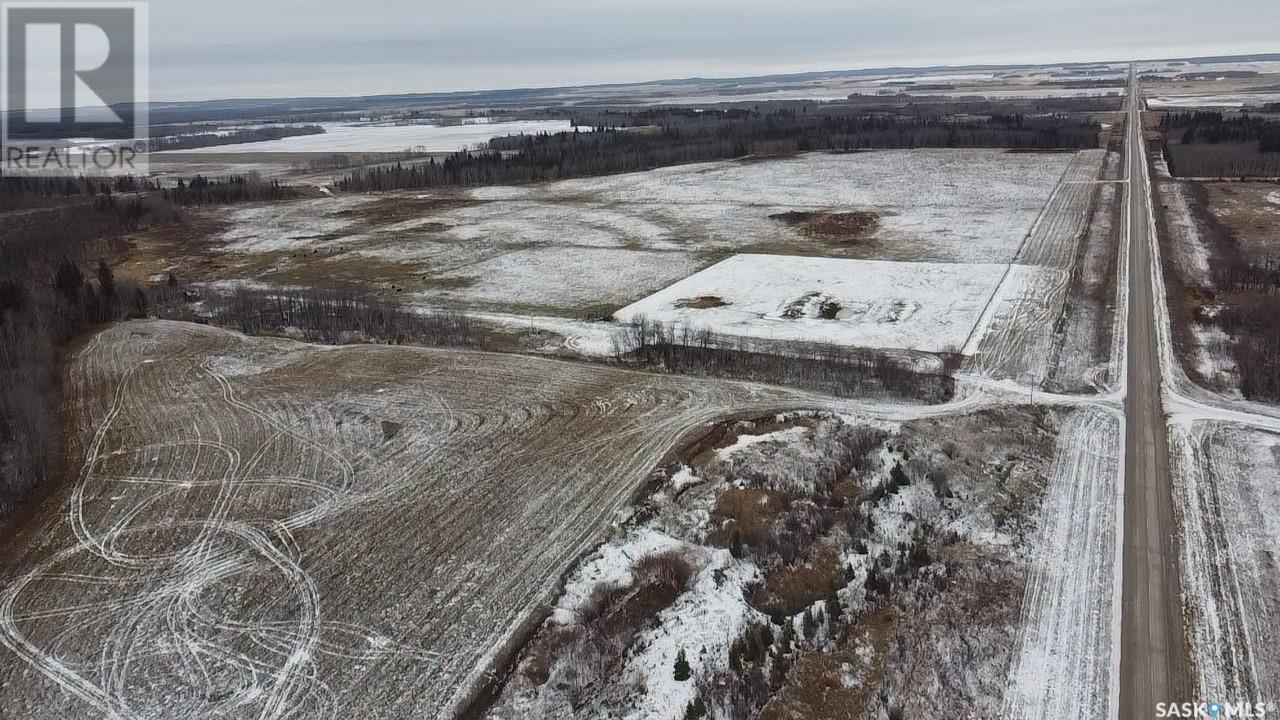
1214,359
858,303
290,227
745,441
387,137
1227,490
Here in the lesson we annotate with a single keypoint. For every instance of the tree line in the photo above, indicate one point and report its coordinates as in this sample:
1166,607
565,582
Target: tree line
1215,144
652,139
23,192
830,369
202,190
332,316
54,283
191,141
1213,127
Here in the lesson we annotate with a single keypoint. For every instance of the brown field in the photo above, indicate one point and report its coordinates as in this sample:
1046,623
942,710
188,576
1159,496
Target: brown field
269,529
1252,212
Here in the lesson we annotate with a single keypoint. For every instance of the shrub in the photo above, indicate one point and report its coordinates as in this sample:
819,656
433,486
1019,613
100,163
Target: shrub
748,515
618,611
788,590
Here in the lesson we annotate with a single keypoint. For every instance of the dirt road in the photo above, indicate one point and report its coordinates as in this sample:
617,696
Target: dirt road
1153,656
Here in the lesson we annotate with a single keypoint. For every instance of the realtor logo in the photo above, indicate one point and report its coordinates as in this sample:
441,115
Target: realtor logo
75,78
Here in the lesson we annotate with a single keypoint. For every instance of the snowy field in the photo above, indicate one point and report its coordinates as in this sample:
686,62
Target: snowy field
930,307
1213,100
1210,84
1067,653
1227,488
565,277
558,248
1010,81
1022,335
1086,354
947,205
387,137
1174,68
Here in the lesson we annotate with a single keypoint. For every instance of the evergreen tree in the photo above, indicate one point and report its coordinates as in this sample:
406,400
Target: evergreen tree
106,280
68,280
834,609
898,477
682,670
139,309
735,544
919,556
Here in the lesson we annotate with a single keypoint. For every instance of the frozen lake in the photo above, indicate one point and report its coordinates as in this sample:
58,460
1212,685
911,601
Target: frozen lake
384,137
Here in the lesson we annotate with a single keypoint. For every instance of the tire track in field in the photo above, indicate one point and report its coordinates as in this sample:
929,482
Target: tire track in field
1018,340
199,559
254,541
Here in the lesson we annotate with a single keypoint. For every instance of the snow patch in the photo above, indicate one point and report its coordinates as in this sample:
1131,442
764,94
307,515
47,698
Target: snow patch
683,479
930,307
712,609
611,564
745,441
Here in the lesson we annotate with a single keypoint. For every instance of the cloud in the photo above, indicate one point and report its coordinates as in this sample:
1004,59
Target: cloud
243,48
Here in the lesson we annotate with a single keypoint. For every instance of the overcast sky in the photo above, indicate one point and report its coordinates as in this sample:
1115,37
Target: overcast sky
204,49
